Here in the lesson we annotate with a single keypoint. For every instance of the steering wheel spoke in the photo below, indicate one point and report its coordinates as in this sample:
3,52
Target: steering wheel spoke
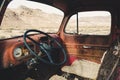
47,53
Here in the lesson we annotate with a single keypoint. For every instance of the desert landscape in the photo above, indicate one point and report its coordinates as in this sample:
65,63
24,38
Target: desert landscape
20,19
17,21
23,18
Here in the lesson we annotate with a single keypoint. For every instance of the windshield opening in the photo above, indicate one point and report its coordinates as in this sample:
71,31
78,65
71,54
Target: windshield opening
26,15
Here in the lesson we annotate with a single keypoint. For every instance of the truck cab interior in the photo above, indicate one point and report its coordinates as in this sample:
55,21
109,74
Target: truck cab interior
81,43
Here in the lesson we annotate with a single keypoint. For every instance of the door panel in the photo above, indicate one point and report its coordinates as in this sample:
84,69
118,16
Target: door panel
86,47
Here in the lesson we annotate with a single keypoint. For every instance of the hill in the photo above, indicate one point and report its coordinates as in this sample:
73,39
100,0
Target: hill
25,18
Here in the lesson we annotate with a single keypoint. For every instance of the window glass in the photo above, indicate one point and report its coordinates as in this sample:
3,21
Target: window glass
22,15
90,23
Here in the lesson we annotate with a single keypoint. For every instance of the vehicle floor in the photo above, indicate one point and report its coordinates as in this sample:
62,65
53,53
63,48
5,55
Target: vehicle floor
80,68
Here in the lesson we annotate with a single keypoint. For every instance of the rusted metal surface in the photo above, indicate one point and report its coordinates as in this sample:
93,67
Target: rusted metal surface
86,47
7,47
70,6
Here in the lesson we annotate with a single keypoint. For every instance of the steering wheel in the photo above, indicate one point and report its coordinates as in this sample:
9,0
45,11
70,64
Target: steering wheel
45,50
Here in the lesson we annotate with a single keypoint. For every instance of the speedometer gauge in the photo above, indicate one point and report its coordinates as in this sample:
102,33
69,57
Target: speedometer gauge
17,52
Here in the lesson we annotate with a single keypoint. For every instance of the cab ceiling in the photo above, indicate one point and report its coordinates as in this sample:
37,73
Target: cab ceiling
67,5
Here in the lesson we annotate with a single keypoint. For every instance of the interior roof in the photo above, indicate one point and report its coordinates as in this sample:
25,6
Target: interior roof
71,5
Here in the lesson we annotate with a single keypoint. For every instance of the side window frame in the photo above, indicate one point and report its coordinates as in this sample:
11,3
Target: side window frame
78,23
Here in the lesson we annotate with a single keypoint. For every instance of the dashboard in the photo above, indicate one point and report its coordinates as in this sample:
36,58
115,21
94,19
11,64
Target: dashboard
22,52
13,51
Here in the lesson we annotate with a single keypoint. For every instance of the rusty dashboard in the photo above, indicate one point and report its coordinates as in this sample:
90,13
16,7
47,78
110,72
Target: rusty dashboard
13,51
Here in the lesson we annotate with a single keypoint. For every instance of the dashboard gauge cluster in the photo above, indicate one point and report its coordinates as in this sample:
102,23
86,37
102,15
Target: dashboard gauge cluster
17,52
22,52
